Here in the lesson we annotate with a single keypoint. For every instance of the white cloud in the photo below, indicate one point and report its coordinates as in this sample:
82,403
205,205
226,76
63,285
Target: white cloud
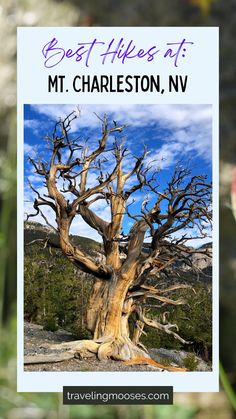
35,178
165,157
194,235
30,150
80,228
189,125
33,124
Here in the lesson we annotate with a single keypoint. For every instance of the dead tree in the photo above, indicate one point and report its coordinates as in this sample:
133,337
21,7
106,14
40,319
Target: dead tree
121,289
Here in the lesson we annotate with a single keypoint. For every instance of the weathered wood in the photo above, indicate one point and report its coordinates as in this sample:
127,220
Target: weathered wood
43,359
155,364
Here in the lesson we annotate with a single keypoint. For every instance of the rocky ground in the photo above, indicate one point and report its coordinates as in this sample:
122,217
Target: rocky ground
35,343
37,340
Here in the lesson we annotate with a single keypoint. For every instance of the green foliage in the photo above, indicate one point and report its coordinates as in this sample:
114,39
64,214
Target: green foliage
8,222
79,332
190,362
50,324
134,412
166,361
8,345
55,292
194,320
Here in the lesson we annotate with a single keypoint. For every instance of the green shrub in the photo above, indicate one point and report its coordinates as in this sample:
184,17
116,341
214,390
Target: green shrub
166,361
50,324
190,362
79,332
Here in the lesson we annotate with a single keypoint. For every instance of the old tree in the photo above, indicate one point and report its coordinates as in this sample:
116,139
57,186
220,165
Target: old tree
126,280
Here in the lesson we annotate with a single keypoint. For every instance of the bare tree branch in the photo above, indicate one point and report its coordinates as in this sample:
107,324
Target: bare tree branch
164,327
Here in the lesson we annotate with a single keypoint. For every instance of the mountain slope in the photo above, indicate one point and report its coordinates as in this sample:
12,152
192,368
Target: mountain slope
36,231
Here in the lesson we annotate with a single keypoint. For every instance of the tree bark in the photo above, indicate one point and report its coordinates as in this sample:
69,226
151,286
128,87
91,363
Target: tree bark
108,313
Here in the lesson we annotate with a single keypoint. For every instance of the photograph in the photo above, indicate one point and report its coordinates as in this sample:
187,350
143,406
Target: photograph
118,238
117,264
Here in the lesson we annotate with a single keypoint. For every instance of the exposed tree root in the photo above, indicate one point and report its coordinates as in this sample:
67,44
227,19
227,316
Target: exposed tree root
121,349
150,361
43,359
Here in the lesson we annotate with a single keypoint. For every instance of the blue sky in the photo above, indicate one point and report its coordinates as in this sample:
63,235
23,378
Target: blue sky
172,133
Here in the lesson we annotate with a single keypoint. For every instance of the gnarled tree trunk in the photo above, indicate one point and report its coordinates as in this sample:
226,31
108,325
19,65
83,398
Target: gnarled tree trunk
108,315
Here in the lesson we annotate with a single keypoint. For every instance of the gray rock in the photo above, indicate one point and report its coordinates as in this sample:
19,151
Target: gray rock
177,357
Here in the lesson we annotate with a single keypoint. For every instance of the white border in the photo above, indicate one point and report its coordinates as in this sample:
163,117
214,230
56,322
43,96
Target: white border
204,90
